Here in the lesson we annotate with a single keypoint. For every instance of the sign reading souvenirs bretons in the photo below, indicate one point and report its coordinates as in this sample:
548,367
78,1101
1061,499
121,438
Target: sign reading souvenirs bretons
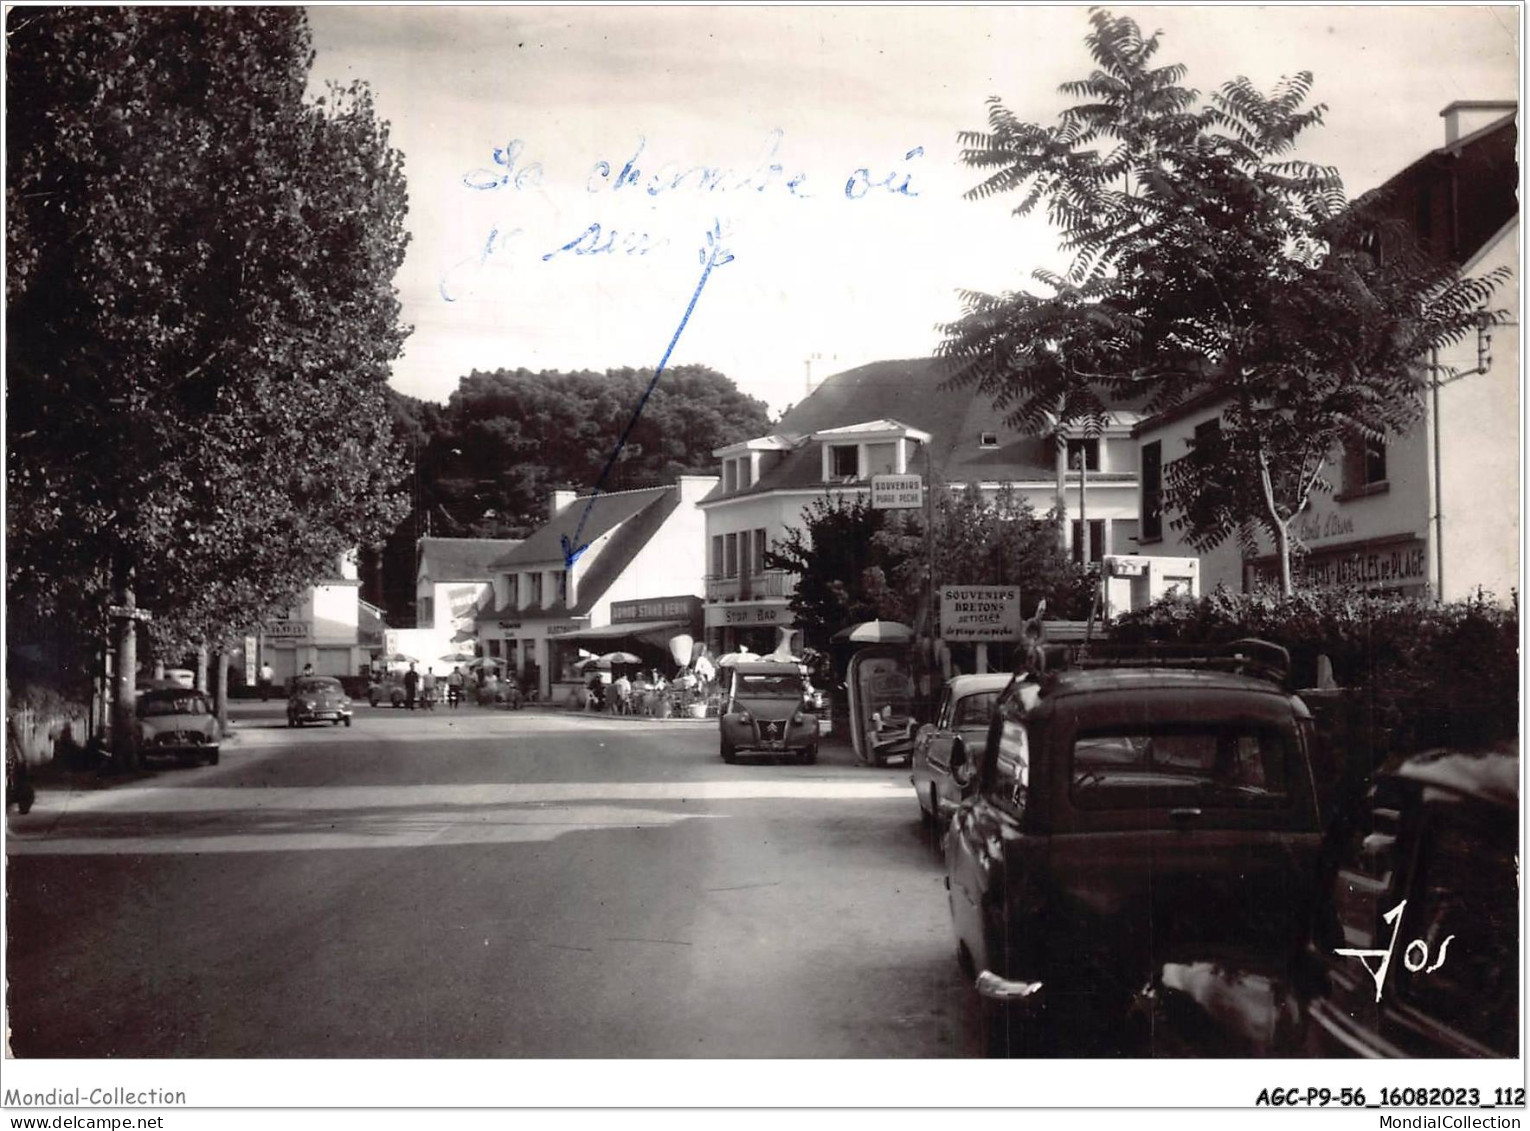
896,492
979,612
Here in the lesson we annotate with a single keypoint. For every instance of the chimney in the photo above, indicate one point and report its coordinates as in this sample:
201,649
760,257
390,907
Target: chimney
1463,118
559,500
694,488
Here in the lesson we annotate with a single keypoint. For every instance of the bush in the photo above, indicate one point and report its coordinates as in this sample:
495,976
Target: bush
1426,674
40,722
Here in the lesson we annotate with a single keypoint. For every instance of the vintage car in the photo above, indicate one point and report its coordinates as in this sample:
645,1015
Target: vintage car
179,722
317,699
766,712
1121,813
1416,950
389,689
946,751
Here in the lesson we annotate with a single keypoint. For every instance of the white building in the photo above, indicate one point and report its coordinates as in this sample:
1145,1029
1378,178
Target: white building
454,582
892,417
643,547
1436,510
325,628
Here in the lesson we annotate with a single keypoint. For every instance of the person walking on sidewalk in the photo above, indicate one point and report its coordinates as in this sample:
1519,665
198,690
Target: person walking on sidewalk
454,684
266,676
411,685
428,700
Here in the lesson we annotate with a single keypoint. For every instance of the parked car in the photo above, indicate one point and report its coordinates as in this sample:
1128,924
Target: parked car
181,677
946,751
179,722
765,710
389,689
317,698
1426,887
1120,814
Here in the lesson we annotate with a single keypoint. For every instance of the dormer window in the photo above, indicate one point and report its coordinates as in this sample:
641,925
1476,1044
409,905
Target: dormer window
988,440
1085,450
730,475
844,461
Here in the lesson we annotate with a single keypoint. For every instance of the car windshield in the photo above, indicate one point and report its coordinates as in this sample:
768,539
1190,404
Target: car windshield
1231,765
180,703
316,686
976,710
772,686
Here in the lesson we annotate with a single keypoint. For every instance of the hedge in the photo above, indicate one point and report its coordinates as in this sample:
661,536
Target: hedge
1424,674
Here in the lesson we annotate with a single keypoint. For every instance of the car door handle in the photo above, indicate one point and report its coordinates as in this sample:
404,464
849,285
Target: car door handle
1184,815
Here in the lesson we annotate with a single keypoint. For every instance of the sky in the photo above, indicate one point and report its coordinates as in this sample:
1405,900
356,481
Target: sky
557,160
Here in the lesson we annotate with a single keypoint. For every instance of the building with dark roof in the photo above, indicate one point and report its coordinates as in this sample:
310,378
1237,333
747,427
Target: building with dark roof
1436,510
894,418
454,582
642,553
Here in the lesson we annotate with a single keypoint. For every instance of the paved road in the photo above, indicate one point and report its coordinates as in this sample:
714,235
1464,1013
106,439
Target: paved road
482,884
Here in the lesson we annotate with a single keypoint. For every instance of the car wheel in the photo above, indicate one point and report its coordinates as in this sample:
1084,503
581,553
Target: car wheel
372,699
212,756
291,722
347,720
809,754
729,755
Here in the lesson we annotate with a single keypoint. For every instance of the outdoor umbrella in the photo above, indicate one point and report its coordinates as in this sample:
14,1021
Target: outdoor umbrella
483,662
619,658
397,658
876,632
730,658
458,658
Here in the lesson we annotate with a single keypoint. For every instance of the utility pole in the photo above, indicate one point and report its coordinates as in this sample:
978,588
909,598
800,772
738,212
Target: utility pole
1083,514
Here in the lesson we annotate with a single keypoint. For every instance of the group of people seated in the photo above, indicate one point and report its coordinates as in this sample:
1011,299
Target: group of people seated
624,695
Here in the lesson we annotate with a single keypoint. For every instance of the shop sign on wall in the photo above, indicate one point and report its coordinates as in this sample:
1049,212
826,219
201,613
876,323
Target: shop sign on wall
979,612
286,629
747,615
654,608
1399,565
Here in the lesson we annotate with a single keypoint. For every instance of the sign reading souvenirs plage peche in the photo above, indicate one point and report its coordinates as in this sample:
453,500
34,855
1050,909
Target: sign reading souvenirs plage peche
979,612
896,492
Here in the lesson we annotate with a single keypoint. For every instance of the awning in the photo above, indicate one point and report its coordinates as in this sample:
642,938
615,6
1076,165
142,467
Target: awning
656,633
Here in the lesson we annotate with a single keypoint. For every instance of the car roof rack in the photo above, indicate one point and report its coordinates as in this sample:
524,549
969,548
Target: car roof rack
1249,656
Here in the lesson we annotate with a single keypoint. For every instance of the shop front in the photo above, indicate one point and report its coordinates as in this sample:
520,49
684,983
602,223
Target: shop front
534,652
648,628
752,626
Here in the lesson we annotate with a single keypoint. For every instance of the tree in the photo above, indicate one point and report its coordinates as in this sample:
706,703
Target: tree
844,553
484,466
855,563
201,318
1205,260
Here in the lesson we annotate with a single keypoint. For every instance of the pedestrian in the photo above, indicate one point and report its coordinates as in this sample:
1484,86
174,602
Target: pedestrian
623,689
411,684
454,684
265,678
429,684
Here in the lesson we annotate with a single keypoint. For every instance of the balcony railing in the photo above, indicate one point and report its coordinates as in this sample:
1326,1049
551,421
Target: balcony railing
751,587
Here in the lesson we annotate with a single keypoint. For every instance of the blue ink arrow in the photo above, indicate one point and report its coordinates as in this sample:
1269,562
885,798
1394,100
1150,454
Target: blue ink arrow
713,255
